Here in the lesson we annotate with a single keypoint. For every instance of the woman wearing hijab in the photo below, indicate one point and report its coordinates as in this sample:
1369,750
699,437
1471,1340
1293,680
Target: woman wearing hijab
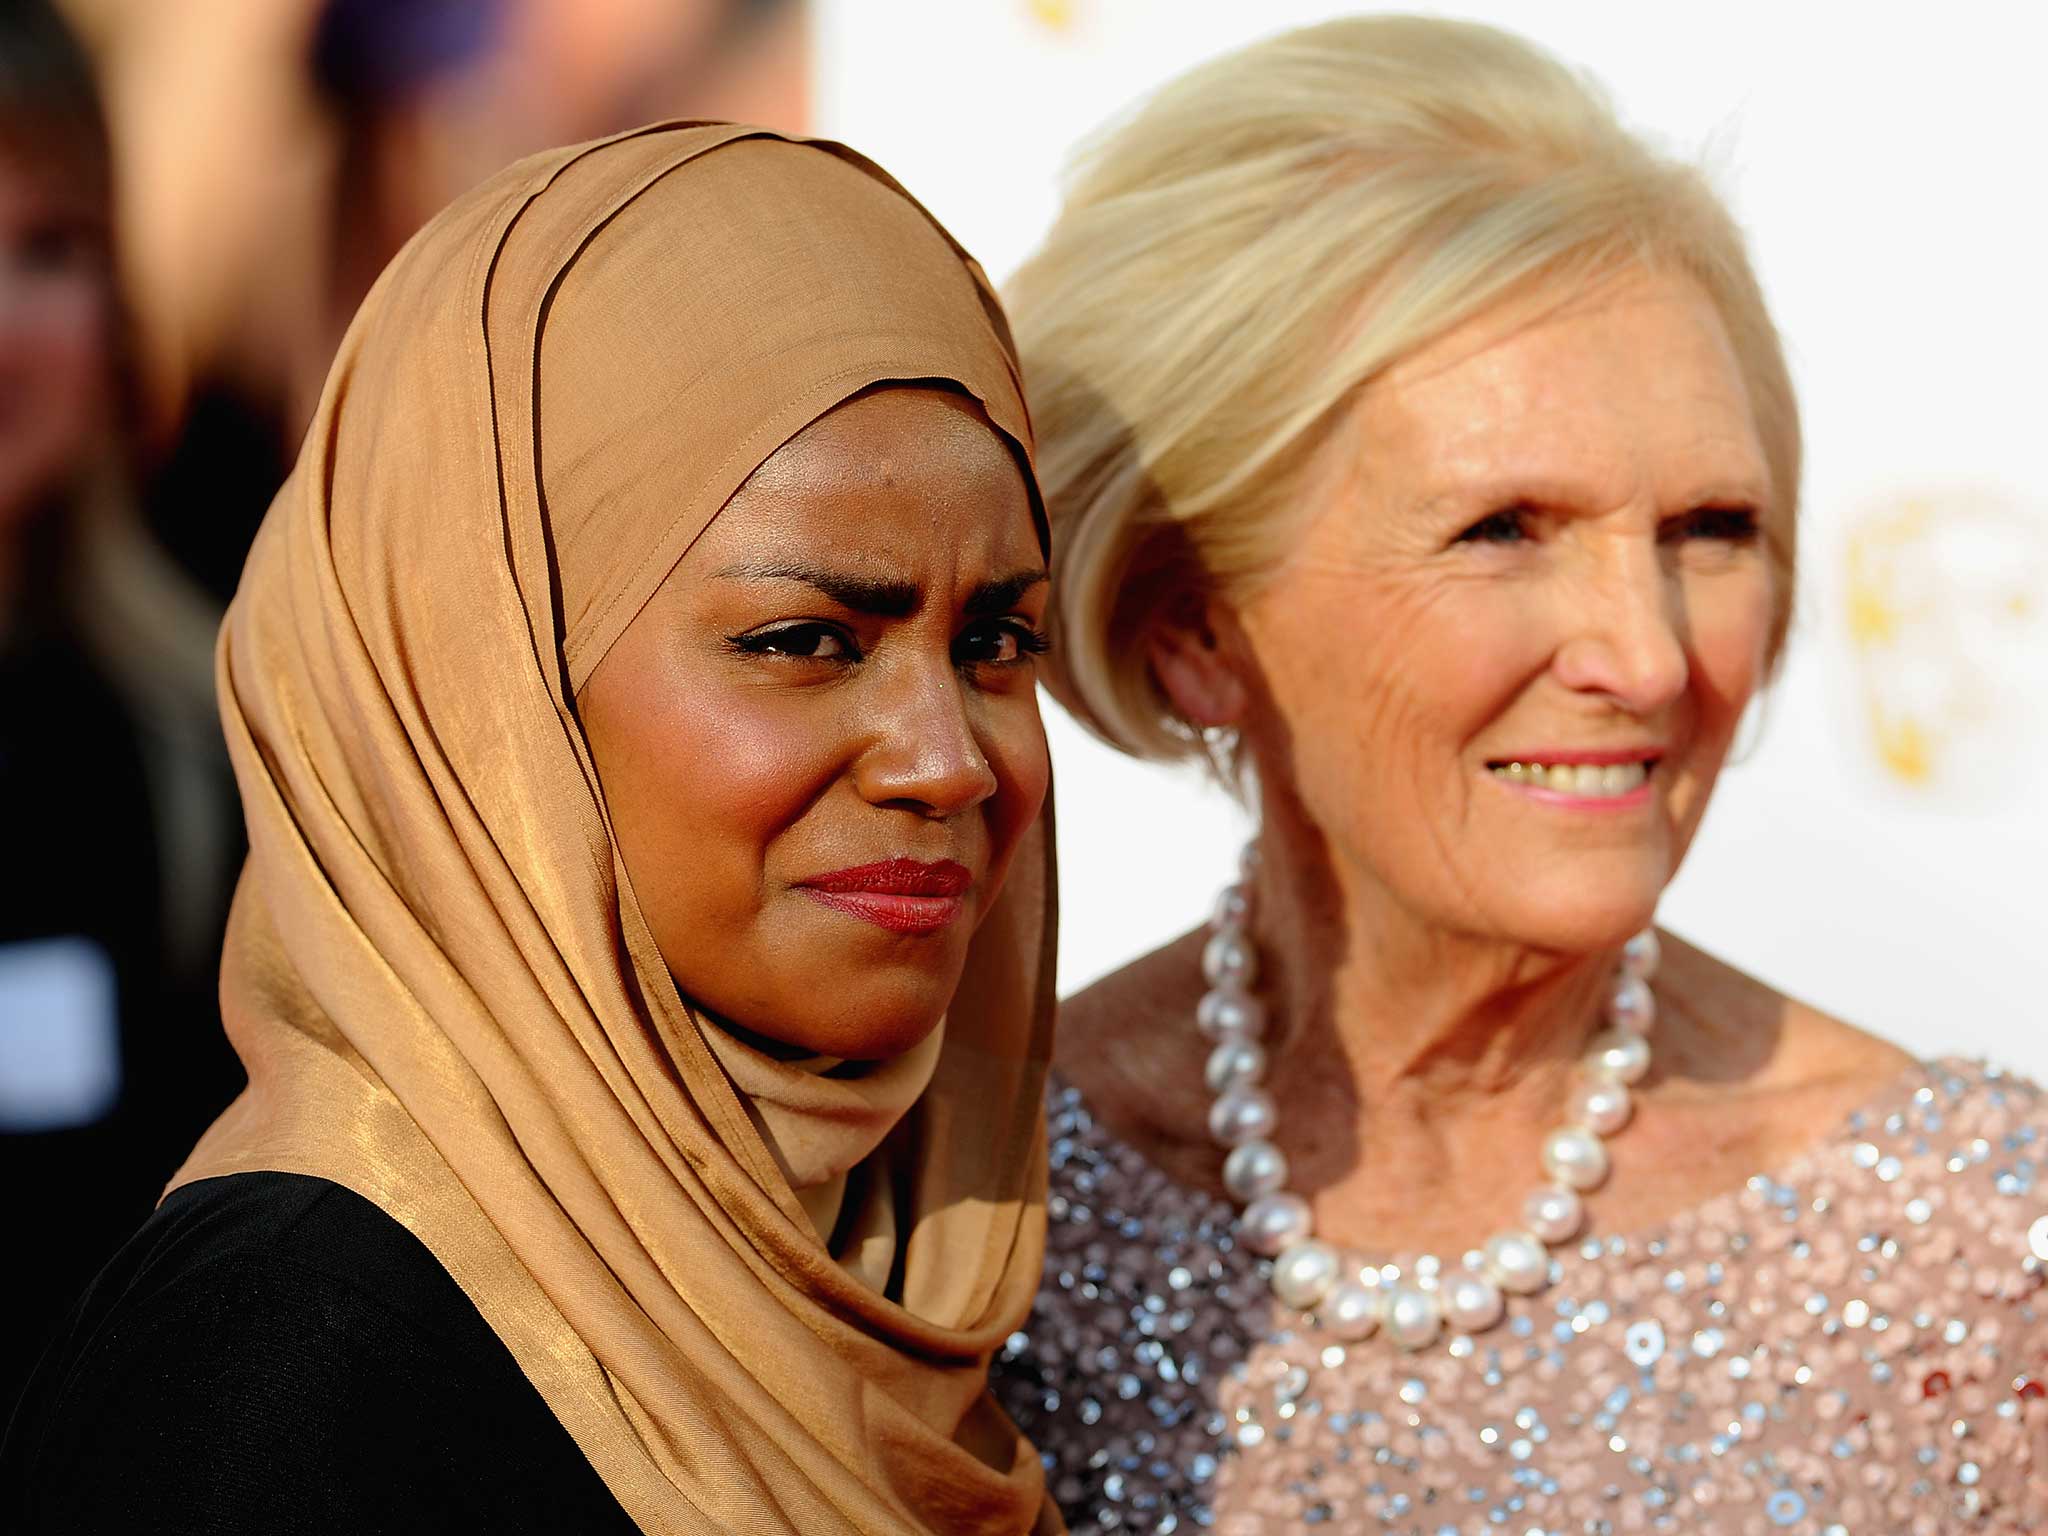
631,698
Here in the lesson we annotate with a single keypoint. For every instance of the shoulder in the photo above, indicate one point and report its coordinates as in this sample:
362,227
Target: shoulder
1729,1033
1144,991
1128,1044
253,1250
1937,1194
1943,1178
281,1352
1964,1148
1964,1159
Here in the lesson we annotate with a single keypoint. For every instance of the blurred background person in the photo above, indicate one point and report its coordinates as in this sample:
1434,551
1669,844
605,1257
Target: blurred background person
116,812
261,163
274,157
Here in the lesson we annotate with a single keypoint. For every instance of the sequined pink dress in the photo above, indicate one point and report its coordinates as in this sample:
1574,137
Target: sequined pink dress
1855,1343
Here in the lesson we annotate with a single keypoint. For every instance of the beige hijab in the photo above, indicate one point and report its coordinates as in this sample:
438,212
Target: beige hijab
437,975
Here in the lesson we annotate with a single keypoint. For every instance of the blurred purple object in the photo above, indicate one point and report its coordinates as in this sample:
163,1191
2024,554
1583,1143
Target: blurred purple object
365,51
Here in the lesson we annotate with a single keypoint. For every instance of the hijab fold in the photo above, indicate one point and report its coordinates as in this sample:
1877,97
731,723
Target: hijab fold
761,1295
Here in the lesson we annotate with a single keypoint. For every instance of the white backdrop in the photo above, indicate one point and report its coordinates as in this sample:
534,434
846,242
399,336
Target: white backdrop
1881,848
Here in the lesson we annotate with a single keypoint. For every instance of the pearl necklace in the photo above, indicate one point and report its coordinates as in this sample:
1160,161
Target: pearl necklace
1310,1275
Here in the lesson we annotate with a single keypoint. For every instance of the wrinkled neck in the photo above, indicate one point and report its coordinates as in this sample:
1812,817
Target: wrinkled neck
1417,1012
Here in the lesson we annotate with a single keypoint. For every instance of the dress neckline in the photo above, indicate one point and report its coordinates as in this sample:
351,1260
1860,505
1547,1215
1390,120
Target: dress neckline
1595,1242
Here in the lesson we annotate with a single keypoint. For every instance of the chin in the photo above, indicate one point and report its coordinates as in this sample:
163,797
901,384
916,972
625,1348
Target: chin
1580,915
873,1022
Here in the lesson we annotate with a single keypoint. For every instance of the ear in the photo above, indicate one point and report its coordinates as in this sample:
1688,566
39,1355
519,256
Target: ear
1192,649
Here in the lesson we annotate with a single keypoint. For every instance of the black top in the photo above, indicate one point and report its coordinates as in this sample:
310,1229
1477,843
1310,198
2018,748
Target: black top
273,1353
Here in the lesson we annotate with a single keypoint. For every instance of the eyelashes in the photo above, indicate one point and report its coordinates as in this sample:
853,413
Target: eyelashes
1505,527
1720,524
1733,525
804,641
995,642
1028,639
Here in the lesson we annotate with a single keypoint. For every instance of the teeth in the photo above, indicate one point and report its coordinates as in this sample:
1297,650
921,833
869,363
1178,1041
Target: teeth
1585,780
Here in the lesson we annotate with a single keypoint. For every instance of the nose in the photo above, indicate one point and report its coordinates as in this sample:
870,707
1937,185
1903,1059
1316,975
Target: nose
923,753
1626,634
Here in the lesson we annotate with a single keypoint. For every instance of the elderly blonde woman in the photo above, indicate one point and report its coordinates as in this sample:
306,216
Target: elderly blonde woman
1420,451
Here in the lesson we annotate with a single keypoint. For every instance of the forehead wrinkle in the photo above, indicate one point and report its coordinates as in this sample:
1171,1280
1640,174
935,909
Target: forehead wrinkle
1519,422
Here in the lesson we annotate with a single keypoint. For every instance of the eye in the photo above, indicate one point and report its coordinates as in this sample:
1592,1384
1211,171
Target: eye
1731,525
1508,526
999,642
802,640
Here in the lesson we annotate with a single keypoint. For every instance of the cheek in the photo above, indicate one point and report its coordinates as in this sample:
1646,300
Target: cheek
57,354
699,792
1379,687
1013,739
62,338
1730,619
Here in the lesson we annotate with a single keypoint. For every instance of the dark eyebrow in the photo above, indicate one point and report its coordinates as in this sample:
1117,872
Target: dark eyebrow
889,599
1000,595
863,594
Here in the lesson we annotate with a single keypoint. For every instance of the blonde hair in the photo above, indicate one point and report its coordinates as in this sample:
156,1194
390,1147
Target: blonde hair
1266,234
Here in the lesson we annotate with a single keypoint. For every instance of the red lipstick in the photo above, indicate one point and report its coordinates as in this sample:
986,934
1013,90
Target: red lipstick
901,895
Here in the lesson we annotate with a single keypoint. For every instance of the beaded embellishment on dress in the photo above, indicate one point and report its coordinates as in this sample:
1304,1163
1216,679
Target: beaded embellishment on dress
1857,1343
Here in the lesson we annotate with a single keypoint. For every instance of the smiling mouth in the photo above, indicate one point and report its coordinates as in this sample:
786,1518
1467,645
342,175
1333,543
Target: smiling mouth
1583,781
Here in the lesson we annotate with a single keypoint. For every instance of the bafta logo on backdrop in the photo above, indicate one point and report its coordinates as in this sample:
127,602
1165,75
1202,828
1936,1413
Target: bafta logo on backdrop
1946,607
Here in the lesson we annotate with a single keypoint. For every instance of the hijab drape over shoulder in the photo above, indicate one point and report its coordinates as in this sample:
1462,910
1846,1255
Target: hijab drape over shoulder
437,975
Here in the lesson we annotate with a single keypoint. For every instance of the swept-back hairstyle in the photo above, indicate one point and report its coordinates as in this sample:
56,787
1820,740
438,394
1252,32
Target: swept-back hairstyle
1264,236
